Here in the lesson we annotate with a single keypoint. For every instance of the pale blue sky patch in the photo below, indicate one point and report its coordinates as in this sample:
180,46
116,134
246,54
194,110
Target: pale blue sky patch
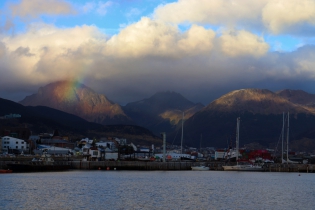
283,43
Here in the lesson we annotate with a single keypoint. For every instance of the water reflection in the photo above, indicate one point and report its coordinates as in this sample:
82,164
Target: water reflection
157,190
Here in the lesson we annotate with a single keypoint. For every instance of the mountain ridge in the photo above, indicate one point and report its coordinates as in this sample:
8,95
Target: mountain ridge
76,98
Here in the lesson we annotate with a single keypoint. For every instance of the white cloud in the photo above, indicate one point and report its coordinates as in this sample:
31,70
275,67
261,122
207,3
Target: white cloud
226,12
133,12
148,37
103,7
276,16
35,8
282,15
42,54
88,7
243,43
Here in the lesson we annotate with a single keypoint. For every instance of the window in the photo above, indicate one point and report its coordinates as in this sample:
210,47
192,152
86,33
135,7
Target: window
22,147
17,142
5,147
22,142
17,147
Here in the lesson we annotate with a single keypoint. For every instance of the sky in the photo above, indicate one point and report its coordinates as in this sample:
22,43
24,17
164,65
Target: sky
130,49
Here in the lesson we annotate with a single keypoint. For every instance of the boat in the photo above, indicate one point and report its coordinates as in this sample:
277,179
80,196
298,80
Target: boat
200,168
42,164
176,155
4,171
241,166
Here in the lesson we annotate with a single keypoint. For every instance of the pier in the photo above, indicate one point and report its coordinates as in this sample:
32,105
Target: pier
163,166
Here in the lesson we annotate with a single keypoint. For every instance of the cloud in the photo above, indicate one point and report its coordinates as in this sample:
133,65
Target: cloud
275,16
282,15
146,57
35,8
26,11
133,12
88,7
49,52
103,7
154,38
217,12
155,54
242,43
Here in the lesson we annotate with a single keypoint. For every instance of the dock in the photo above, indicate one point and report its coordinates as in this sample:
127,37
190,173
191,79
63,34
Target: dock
164,166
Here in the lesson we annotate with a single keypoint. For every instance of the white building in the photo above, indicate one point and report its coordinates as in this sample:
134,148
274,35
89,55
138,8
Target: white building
9,142
91,154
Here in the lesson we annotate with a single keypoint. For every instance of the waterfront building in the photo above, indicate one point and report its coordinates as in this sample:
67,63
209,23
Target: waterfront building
14,145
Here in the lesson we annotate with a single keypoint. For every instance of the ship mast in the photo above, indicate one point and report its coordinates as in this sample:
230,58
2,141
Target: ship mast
288,141
181,144
282,137
237,137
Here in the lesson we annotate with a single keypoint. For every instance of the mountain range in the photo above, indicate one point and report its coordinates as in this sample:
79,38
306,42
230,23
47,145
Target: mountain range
42,119
261,112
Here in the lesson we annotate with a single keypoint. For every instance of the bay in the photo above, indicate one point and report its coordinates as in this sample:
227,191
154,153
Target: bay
157,190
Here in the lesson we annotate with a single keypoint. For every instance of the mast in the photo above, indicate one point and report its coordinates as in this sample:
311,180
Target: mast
181,144
288,141
282,137
164,146
200,142
237,137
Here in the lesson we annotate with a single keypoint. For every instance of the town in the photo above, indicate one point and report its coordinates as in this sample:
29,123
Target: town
18,142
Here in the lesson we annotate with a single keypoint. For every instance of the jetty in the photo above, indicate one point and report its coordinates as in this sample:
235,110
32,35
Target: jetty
163,166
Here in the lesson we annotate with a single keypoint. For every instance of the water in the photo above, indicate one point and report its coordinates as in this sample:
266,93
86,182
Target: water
157,190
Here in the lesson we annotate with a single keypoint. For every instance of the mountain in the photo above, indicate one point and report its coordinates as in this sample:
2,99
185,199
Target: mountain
162,111
256,101
298,97
41,119
75,98
261,113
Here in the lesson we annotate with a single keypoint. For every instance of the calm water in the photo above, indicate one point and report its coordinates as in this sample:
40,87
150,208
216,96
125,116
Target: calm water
157,190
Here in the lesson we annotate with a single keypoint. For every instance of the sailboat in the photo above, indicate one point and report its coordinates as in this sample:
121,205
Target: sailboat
174,155
241,166
288,160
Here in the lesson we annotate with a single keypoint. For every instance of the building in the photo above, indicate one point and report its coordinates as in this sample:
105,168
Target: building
91,154
14,145
11,116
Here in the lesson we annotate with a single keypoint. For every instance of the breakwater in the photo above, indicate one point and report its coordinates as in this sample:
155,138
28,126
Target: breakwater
167,166
129,165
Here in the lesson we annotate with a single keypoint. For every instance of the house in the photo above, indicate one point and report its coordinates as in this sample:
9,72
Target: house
14,145
91,154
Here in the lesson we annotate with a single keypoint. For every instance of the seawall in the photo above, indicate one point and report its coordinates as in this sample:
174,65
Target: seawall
167,166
